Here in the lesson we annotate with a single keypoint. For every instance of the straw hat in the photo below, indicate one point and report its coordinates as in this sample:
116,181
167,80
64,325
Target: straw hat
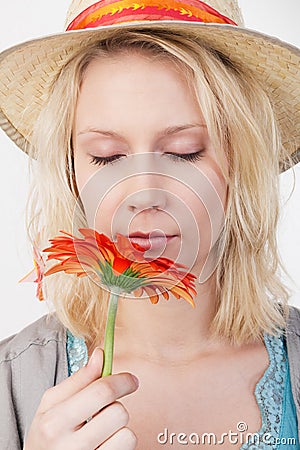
27,70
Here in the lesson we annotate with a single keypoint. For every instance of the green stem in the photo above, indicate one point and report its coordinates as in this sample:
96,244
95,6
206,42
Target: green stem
109,334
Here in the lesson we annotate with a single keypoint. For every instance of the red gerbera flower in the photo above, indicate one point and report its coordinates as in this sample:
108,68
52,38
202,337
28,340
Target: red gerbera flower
120,266
37,273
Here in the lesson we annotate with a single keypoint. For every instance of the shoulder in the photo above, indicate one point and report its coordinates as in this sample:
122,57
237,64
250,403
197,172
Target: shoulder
31,361
38,348
39,333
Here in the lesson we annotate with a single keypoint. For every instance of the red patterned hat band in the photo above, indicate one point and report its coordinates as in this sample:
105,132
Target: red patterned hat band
110,12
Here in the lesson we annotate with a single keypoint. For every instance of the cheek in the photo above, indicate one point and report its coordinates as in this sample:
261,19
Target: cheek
213,172
82,171
199,209
104,219
100,204
207,203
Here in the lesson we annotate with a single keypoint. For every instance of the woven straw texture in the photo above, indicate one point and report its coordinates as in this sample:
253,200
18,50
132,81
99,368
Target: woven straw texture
27,70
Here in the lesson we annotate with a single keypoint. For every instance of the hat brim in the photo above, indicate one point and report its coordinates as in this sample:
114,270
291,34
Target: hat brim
28,70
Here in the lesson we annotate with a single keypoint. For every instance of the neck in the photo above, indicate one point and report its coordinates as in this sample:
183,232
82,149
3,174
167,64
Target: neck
171,330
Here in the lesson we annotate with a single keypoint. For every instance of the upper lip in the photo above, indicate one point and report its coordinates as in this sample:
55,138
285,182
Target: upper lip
140,234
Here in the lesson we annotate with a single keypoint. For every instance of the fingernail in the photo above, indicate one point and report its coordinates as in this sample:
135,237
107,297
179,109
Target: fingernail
135,379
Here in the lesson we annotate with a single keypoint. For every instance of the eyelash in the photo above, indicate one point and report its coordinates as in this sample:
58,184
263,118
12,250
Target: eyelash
191,157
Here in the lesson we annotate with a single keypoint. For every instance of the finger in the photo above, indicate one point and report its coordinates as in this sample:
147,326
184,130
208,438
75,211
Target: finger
89,401
102,426
75,383
124,439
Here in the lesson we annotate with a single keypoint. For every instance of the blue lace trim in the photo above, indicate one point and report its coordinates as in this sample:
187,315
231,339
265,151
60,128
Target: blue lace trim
269,390
77,353
269,393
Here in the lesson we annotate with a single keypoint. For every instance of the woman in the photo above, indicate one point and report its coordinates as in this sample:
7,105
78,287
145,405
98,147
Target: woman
205,144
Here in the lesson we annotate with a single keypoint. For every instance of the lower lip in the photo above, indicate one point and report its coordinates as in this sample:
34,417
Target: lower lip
153,243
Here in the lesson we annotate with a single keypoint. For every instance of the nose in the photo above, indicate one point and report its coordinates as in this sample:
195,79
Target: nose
146,198
147,186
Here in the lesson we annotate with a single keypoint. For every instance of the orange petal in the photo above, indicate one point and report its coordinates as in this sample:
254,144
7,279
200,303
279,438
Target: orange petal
151,292
178,292
154,298
120,265
138,292
165,294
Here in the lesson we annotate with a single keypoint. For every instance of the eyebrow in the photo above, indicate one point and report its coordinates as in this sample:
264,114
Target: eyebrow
166,132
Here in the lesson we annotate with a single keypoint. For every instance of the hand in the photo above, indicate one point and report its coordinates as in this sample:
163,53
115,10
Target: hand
60,420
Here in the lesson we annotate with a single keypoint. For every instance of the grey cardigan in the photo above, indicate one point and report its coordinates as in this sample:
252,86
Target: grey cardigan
35,359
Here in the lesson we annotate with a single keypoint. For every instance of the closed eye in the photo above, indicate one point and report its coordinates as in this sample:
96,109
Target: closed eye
176,157
192,157
98,160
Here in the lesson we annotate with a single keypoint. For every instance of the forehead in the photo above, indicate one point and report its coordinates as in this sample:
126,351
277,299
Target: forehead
135,86
131,65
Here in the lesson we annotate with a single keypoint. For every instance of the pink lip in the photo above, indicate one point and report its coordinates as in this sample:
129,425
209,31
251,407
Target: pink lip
153,243
144,235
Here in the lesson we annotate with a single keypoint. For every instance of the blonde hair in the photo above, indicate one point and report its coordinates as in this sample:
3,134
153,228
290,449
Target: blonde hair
250,295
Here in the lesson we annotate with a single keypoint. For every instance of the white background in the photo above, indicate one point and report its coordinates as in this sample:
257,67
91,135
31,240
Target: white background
25,19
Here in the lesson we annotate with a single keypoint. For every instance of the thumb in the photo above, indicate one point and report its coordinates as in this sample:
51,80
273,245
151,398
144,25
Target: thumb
75,383
95,362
